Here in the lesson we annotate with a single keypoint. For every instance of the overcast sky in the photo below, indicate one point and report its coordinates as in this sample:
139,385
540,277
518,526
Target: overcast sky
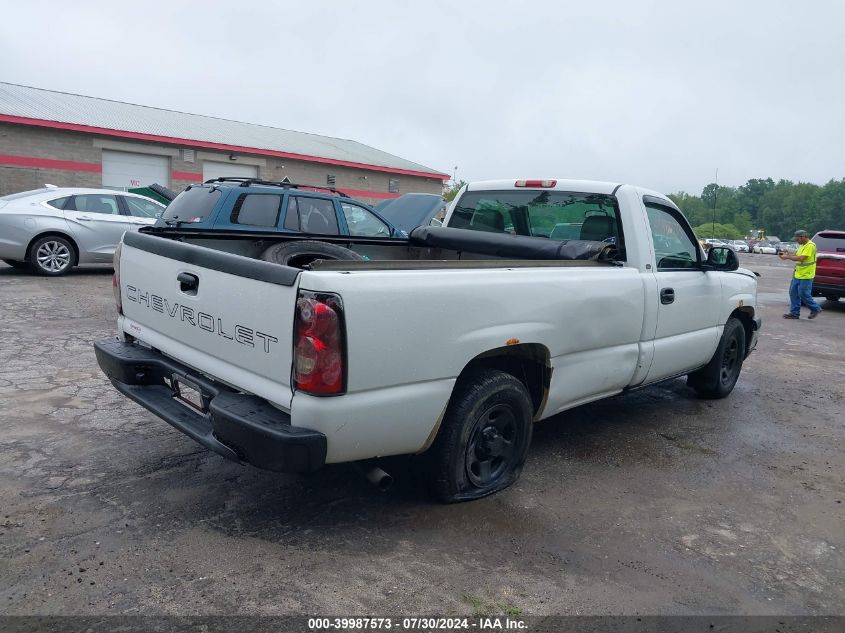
659,94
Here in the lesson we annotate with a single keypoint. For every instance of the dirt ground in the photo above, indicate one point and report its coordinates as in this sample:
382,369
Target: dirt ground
649,503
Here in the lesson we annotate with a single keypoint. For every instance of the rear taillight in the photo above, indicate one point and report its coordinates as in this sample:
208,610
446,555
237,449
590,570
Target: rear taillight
542,184
115,280
319,364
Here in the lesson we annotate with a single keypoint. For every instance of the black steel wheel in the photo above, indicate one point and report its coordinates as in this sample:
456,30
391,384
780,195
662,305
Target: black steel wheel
484,438
491,446
718,378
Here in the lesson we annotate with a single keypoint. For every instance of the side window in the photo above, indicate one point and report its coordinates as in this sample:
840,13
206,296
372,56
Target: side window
59,203
94,203
257,209
673,247
361,222
316,215
292,215
140,208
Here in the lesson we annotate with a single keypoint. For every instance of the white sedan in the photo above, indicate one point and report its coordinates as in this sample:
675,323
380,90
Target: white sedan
53,229
765,249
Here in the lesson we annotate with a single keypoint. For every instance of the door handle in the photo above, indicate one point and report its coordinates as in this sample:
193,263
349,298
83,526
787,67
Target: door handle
667,296
188,283
85,218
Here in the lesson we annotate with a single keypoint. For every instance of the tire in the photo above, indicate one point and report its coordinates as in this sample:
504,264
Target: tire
484,438
718,378
831,298
15,264
52,256
300,254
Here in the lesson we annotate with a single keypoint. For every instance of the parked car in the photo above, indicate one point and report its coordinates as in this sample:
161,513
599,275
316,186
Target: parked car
245,204
292,367
53,229
764,248
830,265
739,246
411,210
787,247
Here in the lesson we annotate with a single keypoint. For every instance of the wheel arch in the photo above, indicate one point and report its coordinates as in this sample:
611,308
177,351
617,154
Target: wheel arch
527,362
54,233
745,315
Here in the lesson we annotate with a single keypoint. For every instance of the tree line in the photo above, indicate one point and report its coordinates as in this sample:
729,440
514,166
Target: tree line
779,208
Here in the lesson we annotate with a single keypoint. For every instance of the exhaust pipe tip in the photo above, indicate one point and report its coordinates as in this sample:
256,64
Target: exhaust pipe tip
380,479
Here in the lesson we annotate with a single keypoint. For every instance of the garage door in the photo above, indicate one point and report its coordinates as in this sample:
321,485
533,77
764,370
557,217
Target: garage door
123,170
221,170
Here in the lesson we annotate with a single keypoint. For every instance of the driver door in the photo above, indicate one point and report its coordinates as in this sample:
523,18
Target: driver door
360,221
688,299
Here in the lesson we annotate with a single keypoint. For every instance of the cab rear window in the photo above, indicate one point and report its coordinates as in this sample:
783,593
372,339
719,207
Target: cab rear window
556,215
831,242
193,205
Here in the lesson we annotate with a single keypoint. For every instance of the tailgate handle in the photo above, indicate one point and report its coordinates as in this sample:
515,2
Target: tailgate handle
188,283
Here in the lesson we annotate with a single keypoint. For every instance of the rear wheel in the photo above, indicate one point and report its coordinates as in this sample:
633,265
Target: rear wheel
718,377
484,439
52,255
15,264
833,298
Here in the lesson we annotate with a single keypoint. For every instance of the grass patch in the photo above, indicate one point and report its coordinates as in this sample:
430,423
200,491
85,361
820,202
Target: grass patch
481,607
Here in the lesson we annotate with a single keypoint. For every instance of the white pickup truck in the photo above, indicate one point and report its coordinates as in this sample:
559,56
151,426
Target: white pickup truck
535,296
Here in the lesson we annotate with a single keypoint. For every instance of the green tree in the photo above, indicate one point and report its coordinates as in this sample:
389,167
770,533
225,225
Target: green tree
750,196
719,231
450,191
779,207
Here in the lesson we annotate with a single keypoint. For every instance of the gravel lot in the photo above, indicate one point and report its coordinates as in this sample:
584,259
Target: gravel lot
651,503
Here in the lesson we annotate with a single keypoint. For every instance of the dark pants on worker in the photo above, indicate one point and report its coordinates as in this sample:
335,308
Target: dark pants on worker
799,292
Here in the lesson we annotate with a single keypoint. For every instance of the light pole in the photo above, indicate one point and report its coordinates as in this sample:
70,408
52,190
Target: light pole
715,195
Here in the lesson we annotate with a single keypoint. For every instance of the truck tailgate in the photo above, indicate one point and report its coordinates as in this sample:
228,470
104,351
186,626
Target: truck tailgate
228,316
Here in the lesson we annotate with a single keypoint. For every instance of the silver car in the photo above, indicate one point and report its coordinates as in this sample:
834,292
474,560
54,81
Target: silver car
51,230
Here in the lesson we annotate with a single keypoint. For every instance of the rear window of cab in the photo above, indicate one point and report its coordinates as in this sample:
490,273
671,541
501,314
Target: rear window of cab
552,214
193,205
830,241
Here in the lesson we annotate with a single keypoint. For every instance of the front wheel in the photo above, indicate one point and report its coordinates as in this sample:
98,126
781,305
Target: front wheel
718,377
831,298
483,441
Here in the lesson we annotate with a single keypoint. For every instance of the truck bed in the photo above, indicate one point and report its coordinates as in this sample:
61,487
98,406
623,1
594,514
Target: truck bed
425,248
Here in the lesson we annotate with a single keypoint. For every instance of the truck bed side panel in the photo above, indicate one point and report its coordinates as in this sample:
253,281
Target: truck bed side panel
421,328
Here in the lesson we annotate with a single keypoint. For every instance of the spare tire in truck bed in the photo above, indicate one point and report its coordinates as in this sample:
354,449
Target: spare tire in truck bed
300,254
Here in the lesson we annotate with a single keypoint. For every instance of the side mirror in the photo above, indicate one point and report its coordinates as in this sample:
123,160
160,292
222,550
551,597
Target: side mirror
722,258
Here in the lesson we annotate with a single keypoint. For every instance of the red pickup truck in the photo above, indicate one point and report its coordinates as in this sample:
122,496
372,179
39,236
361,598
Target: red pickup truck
830,265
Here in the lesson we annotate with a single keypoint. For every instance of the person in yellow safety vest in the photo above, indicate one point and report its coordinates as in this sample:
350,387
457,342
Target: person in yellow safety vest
801,287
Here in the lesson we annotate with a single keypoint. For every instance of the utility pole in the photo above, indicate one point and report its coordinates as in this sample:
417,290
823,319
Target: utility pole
715,195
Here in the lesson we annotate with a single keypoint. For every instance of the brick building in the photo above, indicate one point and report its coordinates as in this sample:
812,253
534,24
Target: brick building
72,140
